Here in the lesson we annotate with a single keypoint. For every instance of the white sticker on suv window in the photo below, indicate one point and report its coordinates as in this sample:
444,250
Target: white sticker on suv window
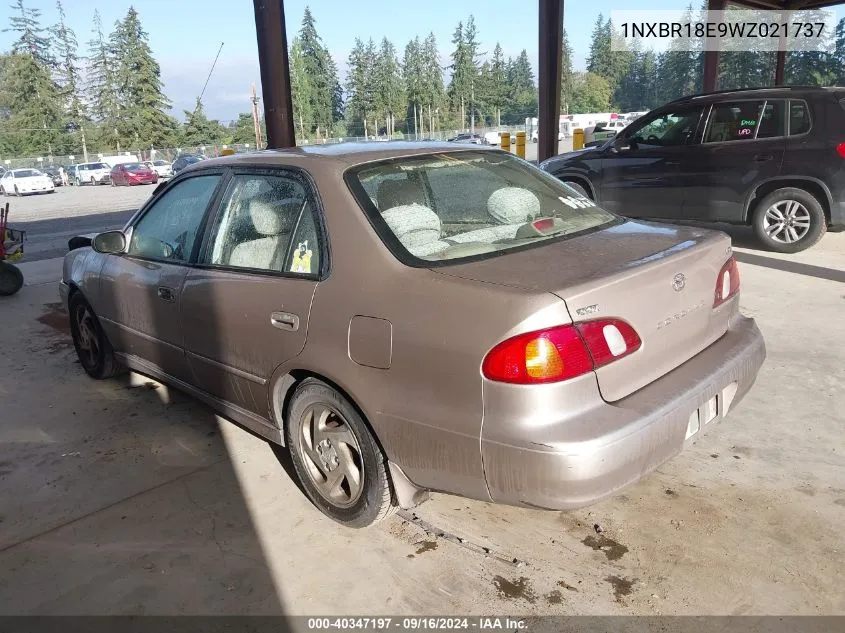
575,203
301,259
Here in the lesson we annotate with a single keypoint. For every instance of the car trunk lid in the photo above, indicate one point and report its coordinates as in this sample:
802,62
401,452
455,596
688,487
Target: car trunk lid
660,279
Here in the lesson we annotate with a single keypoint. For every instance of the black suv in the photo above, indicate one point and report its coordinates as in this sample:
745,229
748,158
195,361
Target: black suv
773,158
185,160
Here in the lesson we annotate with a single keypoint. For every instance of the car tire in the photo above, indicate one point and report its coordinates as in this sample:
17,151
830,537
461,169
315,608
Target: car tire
11,279
780,217
92,346
579,188
349,445
17,193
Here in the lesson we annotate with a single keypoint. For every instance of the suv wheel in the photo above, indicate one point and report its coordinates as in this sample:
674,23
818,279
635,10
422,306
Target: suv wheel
574,185
789,220
340,465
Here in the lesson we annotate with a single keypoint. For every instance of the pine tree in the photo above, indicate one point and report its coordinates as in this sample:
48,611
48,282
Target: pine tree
358,98
199,130
599,62
412,71
523,90
300,87
389,95
464,69
31,97
839,53
566,79
100,89
325,95
434,91
67,70
142,102
31,39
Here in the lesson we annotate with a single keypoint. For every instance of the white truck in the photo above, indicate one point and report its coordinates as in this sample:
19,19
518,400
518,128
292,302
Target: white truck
119,159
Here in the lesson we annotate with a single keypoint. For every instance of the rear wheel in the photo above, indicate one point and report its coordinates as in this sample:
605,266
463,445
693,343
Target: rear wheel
93,181
17,192
11,279
579,188
789,220
92,347
337,460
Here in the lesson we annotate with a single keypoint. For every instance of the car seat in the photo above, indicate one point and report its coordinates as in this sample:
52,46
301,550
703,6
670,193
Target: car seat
417,227
272,222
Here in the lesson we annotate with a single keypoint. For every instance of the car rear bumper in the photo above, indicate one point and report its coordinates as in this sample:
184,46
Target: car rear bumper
574,460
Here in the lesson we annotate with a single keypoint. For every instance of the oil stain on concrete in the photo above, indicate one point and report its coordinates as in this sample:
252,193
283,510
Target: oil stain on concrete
426,546
621,586
515,589
612,549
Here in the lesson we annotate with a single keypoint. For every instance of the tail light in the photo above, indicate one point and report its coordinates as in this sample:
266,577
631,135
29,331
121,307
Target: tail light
727,283
560,353
840,149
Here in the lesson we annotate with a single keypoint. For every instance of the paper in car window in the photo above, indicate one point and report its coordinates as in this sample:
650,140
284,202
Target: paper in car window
301,258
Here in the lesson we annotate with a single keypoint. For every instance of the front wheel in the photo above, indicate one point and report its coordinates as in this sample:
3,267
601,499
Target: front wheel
789,220
340,465
17,192
11,279
92,347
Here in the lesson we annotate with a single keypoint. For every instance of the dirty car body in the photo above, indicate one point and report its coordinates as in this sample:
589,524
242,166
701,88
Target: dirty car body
499,336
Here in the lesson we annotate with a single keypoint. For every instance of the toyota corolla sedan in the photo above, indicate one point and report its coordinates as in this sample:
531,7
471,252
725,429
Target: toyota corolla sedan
22,182
408,318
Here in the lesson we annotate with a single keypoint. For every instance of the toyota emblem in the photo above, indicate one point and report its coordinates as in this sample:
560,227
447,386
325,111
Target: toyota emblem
678,282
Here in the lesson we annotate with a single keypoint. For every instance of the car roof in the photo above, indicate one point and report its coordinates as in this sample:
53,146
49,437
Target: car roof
762,92
348,154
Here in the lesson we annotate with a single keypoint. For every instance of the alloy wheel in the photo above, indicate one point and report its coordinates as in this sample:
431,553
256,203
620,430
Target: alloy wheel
787,221
89,343
331,455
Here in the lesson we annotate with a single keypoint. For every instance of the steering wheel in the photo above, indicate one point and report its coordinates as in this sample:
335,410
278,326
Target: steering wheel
653,140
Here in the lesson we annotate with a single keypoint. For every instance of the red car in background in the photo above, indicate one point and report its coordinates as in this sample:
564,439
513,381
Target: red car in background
133,174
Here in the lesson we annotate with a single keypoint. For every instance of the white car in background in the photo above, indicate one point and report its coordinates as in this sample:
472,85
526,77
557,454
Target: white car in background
91,173
19,182
160,167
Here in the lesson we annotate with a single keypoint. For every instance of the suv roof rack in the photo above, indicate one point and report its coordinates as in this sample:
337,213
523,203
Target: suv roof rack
756,89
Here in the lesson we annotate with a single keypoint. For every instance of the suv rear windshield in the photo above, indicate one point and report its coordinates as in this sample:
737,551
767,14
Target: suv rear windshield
457,205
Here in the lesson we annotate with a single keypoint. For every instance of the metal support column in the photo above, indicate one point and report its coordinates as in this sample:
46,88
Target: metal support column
275,73
711,58
550,43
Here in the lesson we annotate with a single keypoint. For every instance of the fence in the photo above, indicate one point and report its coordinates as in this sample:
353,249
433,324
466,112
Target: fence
214,149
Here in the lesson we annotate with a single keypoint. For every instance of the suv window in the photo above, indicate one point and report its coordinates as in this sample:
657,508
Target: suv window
799,117
169,229
266,223
734,121
666,130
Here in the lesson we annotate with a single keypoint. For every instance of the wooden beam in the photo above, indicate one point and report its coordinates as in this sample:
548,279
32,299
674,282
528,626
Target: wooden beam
550,52
711,58
275,72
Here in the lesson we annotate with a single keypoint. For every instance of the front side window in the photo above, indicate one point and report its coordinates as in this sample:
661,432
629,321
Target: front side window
666,130
734,121
170,228
266,223
444,207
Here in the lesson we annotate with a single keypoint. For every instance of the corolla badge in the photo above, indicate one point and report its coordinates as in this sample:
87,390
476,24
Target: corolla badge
678,282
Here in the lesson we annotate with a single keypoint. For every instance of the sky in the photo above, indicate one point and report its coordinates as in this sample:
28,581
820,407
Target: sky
185,34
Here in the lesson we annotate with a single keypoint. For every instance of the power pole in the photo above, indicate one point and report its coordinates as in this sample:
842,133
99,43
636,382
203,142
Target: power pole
84,146
256,121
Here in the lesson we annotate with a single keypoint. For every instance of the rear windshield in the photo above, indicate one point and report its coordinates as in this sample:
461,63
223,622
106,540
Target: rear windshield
457,205
135,167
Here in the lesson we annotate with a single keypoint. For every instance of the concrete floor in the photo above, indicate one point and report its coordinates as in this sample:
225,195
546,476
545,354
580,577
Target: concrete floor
120,497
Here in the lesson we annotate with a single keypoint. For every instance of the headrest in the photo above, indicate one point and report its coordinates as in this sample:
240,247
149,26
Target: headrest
267,217
414,224
395,193
724,115
513,205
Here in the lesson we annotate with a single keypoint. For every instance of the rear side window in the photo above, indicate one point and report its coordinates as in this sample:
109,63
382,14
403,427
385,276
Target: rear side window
734,121
799,117
773,120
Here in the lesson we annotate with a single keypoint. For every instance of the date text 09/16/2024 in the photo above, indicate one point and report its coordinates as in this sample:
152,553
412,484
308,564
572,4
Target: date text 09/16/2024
416,624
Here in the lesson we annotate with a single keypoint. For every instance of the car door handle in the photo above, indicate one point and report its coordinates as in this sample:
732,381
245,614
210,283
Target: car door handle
284,321
762,158
673,162
168,294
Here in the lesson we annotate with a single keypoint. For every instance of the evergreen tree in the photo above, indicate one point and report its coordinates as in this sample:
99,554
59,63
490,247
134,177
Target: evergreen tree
566,79
67,69
389,96
412,71
31,40
464,69
494,89
142,102
524,92
325,95
434,91
359,87
839,53
31,98
199,130
100,89
599,62
301,89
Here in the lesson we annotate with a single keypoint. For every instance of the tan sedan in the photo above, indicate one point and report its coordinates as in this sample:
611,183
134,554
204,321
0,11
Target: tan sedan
416,317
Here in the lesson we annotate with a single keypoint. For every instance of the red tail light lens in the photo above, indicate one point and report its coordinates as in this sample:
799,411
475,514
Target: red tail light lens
840,149
559,353
727,282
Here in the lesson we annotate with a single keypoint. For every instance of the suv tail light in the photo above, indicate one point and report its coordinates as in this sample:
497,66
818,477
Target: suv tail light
560,353
840,149
727,282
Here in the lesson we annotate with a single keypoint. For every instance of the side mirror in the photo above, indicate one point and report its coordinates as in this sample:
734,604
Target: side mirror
620,144
109,242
